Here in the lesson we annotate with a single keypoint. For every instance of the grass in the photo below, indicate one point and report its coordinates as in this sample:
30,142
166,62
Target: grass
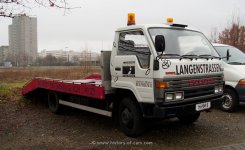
10,91
27,73
13,79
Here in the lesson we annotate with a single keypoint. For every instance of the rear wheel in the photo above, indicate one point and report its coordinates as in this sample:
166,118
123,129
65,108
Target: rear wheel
230,102
130,118
53,102
189,118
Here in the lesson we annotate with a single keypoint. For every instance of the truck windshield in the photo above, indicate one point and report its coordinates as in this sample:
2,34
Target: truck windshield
236,56
184,42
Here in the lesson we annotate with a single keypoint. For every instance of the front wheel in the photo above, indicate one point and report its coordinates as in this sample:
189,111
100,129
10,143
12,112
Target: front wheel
130,118
230,102
189,118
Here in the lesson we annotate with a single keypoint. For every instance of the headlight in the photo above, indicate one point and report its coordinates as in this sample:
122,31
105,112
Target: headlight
218,89
174,96
241,82
179,95
169,96
221,89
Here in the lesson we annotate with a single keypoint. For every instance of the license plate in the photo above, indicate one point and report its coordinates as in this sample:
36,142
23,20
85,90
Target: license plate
203,106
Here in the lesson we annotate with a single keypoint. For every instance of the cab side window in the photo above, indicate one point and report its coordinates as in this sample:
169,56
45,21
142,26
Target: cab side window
134,43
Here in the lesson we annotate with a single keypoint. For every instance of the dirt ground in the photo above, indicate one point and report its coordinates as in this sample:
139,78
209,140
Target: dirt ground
32,126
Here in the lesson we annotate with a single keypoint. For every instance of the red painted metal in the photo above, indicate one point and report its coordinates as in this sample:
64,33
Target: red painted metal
95,76
204,81
89,89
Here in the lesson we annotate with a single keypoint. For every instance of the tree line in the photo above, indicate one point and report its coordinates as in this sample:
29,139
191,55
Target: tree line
233,34
51,60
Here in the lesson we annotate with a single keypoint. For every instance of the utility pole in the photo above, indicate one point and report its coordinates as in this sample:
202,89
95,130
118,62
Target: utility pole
66,52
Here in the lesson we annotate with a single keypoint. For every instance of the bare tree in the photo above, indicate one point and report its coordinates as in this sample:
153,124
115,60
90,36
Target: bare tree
10,8
75,60
50,60
234,34
214,35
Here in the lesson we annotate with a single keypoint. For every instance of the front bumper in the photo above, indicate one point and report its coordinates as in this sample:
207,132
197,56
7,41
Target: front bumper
173,111
241,92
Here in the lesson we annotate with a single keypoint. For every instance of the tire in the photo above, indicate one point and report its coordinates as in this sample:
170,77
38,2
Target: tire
130,118
53,102
230,102
188,118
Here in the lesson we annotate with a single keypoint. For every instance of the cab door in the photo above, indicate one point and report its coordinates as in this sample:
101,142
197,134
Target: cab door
132,65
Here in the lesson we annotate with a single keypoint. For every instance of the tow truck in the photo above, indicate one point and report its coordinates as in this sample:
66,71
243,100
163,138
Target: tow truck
153,71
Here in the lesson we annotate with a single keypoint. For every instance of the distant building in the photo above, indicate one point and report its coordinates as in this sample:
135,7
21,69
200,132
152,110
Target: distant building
7,64
4,54
55,53
71,56
23,40
89,56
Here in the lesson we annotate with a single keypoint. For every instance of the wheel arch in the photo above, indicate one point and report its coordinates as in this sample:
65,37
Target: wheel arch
233,89
231,102
120,94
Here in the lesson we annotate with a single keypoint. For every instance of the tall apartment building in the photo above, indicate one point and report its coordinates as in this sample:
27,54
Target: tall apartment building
23,40
4,54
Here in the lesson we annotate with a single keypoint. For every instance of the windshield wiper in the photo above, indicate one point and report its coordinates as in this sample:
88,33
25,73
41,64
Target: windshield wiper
191,57
209,57
236,63
166,55
215,57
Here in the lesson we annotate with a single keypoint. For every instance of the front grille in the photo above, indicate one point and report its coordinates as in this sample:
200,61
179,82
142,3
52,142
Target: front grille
192,91
198,92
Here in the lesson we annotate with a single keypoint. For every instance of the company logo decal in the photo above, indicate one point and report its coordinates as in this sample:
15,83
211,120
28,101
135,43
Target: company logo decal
129,63
144,83
204,81
128,71
166,64
197,69
170,73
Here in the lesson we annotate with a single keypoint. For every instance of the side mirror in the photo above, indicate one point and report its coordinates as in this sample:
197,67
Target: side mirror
160,43
228,55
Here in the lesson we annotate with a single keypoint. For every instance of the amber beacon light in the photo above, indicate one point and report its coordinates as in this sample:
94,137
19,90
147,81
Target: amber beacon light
131,19
170,20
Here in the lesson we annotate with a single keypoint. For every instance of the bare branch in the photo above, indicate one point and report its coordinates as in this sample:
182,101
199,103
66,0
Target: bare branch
10,8
234,34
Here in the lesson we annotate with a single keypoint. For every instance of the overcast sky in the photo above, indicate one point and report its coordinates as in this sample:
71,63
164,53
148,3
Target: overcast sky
92,26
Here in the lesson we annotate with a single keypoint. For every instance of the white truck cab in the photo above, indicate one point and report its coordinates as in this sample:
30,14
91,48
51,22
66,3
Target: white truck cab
234,75
165,70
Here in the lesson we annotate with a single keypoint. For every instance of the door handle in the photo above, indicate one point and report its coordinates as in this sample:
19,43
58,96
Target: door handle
118,68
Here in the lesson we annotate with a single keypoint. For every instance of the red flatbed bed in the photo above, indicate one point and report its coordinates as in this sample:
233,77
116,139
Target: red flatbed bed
90,86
